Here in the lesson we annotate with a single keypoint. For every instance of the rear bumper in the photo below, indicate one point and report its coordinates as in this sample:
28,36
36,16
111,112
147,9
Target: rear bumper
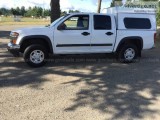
13,49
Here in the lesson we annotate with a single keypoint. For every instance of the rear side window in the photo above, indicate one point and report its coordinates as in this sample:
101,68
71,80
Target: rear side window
137,23
102,22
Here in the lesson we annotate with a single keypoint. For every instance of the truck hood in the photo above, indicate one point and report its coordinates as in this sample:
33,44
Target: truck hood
33,31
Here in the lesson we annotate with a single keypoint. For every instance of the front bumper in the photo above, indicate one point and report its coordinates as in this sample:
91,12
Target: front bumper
13,49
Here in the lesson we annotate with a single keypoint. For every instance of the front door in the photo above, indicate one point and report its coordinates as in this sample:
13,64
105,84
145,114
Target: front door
75,36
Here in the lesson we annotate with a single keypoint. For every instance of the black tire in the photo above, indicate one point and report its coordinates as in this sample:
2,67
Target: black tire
29,52
122,53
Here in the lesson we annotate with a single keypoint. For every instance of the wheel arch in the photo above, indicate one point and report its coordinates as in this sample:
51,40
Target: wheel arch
36,39
138,41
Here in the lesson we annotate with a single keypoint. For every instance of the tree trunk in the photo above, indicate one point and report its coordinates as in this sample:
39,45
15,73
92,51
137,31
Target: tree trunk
55,10
99,6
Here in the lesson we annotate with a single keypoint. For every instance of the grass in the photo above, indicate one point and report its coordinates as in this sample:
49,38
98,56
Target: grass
24,21
29,21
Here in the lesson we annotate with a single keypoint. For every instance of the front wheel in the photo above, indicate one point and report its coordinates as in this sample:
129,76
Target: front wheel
128,53
35,55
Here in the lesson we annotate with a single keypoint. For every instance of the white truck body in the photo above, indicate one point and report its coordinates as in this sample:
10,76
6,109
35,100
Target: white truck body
100,33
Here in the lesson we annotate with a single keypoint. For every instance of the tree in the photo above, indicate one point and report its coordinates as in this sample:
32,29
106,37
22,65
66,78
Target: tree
18,11
4,11
13,11
46,12
99,6
55,10
74,11
39,12
36,12
23,11
116,3
63,13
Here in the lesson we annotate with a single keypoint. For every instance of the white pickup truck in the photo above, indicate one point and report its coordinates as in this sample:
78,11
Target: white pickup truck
125,34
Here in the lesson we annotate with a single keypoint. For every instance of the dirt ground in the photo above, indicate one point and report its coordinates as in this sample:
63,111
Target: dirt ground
79,87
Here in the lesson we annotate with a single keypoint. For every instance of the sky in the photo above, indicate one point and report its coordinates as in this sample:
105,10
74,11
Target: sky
82,5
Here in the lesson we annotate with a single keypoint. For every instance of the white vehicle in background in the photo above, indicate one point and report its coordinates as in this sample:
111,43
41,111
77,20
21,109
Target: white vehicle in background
125,33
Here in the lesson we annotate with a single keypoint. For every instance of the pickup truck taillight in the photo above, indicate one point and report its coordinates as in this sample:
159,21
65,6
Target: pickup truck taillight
155,34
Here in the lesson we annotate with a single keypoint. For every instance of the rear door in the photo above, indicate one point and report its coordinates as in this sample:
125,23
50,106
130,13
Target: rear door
103,33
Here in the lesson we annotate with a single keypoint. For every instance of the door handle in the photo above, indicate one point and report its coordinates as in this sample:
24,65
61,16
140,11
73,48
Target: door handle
109,33
85,33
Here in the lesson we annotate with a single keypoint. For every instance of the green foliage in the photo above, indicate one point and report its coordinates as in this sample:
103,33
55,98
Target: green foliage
4,11
35,11
63,13
158,18
22,11
74,11
16,11
46,12
116,3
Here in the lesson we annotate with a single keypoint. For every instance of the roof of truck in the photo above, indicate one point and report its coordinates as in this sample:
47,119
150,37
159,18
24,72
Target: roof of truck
88,13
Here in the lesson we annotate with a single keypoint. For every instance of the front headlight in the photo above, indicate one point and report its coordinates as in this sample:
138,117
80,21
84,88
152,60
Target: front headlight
14,36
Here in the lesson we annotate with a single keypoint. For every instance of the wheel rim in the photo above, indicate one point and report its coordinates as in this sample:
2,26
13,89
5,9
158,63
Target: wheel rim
37,56
129,54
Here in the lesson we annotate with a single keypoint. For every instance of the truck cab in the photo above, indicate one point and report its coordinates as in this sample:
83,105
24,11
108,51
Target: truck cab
85,33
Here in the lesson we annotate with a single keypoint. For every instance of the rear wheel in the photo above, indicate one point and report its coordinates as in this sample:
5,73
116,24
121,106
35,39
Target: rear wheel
128,53
35,55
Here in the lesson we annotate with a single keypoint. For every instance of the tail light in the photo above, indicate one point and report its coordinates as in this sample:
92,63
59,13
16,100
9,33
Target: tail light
155,34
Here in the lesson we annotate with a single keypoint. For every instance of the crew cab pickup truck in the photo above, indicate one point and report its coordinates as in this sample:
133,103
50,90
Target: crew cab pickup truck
125,34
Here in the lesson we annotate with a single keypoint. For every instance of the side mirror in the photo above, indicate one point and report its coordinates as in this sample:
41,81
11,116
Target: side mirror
61,27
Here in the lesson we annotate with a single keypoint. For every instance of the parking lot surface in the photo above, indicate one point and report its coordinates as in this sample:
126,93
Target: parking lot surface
79,87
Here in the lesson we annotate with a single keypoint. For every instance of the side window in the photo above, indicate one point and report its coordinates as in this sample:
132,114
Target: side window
78,22
102,22
137,23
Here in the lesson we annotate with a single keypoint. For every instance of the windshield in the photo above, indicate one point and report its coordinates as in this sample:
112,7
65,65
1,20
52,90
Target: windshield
58,20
